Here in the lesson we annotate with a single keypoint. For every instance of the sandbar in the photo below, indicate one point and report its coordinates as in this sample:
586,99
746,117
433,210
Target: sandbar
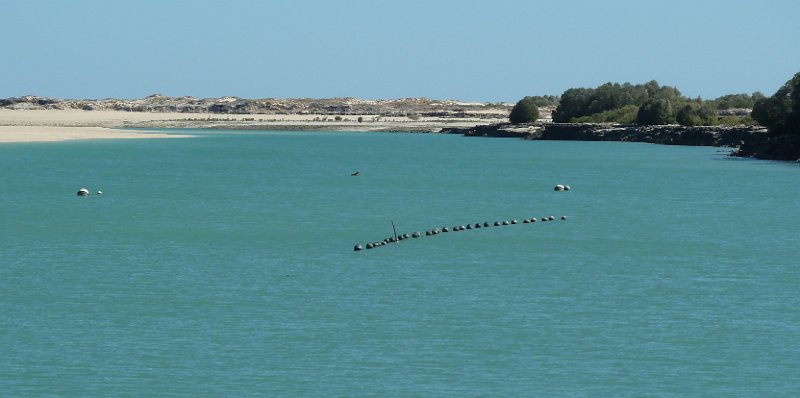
58,133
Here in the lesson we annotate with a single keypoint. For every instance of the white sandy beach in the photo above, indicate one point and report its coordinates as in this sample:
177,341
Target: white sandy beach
60,125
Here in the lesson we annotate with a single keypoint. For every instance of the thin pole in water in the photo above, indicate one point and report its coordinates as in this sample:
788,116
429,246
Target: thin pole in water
395,231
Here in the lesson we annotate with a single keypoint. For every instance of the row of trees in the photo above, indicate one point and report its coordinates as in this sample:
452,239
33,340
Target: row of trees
648,103
577,103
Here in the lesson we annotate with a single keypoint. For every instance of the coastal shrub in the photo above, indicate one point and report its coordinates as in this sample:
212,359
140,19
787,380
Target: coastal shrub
579,102
687,116
735,101
696,114
655,112
733,120
360,119
780,113
338,118
624,115
525,111
574,103
542,101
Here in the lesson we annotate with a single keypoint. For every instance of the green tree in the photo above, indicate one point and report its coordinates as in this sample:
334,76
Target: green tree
733,101
574,103
525,111
654,112
696,114
780,113
544,100
687,116
793,121
624,115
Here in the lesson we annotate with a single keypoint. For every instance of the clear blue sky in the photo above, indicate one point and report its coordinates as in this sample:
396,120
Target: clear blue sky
472,50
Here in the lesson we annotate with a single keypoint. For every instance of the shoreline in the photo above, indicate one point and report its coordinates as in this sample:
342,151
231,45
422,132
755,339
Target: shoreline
55,125
746,141
20,134
722,136
50,125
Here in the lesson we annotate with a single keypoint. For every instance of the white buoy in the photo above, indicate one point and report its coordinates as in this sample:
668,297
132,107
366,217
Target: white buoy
99,192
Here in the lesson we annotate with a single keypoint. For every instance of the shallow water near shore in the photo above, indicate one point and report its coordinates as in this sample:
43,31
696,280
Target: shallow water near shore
223,265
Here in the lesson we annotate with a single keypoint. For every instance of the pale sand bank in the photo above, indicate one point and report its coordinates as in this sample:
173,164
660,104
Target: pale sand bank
58,125
114,119
57,133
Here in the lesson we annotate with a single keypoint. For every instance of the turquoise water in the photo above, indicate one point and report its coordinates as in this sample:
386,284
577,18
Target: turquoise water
222,265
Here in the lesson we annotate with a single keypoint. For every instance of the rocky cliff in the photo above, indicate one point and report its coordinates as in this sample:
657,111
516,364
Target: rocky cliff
722,136
784,147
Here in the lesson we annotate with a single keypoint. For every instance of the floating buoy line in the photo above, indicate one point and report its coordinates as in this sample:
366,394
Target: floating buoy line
457,228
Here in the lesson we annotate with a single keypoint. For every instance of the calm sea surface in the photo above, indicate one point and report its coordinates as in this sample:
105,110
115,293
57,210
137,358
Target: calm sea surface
223,265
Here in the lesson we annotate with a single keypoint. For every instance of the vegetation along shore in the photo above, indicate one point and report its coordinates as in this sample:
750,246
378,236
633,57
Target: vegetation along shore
754,124
758,126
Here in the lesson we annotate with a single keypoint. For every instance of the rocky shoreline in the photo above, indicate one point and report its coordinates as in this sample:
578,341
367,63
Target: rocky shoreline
667,135
749,141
